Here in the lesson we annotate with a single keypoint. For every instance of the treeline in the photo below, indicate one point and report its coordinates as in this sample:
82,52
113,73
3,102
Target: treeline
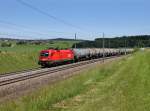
8,42
117,42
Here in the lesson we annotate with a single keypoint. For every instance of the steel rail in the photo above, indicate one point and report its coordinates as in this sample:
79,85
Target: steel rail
18,72
49,71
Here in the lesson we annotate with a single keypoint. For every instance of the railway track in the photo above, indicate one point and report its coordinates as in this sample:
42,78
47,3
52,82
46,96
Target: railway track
17,77
18,72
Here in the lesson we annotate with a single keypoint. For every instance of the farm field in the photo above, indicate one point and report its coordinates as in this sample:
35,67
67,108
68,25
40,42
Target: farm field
122,85
21,57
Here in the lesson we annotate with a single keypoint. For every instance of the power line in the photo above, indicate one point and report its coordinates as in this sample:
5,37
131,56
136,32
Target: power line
21,26
14,35
27,28
46,14
12,24
24,36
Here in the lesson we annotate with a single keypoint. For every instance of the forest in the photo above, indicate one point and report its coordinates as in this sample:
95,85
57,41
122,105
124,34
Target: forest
137,41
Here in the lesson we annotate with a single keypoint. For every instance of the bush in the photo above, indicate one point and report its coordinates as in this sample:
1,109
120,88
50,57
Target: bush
51,42
6,44
21,43
37,43
136,49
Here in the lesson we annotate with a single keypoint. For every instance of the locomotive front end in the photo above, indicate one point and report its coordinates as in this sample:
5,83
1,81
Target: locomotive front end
45,58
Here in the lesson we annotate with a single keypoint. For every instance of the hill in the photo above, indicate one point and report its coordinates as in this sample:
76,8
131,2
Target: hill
28,40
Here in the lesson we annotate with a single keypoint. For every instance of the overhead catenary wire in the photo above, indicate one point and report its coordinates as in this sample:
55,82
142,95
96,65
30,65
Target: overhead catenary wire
50,16
25,30
24,36
15,35
12,24
29,28
29,32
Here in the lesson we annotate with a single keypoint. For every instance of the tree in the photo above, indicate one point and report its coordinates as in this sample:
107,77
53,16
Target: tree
117,42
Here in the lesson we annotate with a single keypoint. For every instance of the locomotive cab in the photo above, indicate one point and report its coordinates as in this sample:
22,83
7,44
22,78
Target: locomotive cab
44,57
44,54
52,57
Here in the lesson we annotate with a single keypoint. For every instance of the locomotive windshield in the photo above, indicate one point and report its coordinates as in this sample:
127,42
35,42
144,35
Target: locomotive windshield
45,54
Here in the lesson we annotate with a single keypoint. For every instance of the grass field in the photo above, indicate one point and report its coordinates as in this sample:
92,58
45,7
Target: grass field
118,86
20,57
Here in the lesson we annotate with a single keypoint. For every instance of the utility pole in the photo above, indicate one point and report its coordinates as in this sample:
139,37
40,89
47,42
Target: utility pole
125,47
109,43
103,48
75,41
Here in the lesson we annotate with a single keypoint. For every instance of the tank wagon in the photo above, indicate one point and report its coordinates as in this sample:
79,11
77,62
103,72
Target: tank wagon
52,57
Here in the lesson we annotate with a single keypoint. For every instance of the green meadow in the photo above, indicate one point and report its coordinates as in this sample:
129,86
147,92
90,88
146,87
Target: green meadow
22,57
122,85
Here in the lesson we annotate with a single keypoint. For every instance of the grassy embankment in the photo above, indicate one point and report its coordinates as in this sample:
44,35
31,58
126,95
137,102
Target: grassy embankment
20,57
118,86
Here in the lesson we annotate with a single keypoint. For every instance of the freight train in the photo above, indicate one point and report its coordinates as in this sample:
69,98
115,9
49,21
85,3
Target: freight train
53,57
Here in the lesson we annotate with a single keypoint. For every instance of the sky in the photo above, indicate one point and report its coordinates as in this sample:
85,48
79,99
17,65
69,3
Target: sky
46,19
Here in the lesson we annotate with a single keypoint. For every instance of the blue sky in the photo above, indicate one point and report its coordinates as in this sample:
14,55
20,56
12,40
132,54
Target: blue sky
88,18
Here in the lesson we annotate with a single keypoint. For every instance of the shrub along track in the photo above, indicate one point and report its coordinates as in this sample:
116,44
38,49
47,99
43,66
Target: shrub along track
15,85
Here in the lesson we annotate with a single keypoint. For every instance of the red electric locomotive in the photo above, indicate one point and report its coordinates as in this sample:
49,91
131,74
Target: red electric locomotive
52,57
